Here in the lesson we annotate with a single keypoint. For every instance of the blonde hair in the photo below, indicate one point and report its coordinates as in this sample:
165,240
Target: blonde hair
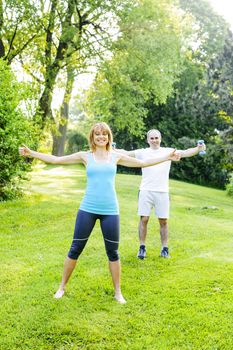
102,127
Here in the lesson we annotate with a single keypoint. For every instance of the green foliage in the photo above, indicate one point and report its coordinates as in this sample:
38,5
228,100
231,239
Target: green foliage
146,63
219,83
182,303
49,38
147,85
210,31
229,187
20,27
197,169
76,142
211,107
200,106
14,130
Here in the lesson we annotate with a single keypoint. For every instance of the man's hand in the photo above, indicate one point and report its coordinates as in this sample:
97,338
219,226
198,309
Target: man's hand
201,147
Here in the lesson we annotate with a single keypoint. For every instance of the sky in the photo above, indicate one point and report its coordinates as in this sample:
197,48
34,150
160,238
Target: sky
225,9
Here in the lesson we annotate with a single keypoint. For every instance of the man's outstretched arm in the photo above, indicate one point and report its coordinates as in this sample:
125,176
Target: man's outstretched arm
190,152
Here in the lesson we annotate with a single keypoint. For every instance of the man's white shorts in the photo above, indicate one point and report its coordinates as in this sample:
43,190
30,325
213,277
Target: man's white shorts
151,199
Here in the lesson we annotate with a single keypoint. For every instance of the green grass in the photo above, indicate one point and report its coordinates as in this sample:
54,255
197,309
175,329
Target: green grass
180,303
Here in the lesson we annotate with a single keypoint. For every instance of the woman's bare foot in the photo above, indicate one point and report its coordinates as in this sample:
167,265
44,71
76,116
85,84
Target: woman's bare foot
119,298
59,294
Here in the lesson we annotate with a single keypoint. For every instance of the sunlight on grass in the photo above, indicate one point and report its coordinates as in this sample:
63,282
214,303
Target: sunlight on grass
59,180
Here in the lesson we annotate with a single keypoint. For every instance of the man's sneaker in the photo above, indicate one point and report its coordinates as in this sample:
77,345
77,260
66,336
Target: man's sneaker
164,252
142,252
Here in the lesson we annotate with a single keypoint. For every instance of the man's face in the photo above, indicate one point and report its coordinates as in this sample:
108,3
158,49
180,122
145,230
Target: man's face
154,140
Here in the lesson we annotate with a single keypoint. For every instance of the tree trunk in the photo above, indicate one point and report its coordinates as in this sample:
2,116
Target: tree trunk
2,48
59,137
52,69
44,111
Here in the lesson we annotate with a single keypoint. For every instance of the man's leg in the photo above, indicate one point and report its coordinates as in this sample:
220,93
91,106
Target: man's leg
142,232
164,237
163,231
145,203
142,229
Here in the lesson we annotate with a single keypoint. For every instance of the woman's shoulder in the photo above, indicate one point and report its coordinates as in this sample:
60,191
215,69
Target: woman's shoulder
116,156
84,155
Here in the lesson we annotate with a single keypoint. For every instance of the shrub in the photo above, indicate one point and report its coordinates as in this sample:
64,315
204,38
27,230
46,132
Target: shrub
76,142
209,170
15,129
229,188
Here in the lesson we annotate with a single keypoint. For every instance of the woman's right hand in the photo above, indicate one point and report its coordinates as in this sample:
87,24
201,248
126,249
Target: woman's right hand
24,151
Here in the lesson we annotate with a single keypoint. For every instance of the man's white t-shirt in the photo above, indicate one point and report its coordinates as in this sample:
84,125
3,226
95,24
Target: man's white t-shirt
155,177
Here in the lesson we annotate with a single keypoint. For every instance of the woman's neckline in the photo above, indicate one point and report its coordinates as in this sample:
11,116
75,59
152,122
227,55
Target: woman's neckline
108,159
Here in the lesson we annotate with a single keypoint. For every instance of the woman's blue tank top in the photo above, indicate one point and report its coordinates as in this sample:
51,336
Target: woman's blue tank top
100,196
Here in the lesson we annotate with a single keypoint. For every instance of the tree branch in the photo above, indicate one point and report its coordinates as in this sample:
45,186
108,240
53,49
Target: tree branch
21,49
2,48
49,33
30,72
11,43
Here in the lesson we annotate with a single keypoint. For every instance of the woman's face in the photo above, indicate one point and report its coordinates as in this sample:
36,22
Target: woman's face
101,137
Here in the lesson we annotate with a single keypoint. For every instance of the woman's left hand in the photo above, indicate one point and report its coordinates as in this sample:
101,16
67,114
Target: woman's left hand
174,156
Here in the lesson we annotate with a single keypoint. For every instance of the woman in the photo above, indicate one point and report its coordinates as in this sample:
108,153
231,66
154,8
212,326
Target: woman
99,202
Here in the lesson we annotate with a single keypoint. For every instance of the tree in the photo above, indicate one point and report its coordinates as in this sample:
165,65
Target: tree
59,37
83,38
131,101
201,105
211,29
19,27
219,83
59,134
146,63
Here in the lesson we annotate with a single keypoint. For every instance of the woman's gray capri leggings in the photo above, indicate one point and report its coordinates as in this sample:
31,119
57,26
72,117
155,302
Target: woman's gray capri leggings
85,222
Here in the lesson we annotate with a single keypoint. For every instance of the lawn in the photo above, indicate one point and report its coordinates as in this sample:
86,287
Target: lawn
185,302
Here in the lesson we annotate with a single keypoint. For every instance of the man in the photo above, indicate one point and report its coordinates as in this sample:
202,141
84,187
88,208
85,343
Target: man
154,189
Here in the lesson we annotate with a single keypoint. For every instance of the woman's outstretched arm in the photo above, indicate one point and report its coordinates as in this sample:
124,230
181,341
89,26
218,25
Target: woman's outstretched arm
79,157
137,163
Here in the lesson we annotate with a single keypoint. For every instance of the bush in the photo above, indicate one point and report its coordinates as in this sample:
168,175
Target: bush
210,170
15,129
229,188
76,142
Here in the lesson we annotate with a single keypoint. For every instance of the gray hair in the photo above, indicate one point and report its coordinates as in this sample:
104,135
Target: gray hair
153,130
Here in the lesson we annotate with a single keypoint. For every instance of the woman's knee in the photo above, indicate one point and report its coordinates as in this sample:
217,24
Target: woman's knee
113,255
75,250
